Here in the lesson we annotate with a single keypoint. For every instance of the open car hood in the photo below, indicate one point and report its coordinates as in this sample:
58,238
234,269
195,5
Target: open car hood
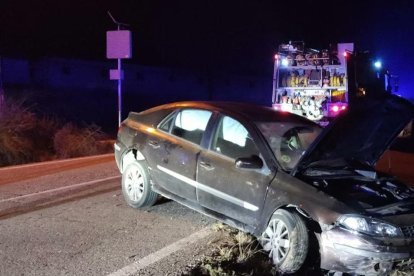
362,134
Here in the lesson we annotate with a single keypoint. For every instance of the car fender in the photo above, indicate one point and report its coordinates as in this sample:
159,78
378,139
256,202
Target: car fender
287,191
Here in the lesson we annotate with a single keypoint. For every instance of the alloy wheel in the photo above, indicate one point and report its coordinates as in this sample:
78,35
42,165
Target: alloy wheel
276,241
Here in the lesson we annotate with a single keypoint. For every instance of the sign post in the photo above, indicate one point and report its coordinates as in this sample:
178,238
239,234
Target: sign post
118,46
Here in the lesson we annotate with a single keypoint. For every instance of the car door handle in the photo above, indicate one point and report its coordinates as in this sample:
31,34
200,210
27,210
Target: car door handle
154,144
206,166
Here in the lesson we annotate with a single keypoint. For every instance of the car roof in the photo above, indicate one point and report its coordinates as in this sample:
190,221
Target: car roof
249,111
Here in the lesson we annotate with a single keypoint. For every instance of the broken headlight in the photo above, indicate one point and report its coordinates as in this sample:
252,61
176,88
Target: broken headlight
370,226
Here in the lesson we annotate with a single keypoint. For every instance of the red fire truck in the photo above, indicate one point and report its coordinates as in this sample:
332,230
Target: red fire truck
309,82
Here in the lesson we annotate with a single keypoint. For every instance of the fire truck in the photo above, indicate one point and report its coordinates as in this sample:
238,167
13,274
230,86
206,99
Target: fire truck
321,84
309,82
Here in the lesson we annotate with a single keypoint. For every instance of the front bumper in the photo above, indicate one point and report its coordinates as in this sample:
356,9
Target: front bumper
351,252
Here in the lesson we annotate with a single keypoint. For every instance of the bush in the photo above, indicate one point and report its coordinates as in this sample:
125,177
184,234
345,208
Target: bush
15,143
24,137
72,141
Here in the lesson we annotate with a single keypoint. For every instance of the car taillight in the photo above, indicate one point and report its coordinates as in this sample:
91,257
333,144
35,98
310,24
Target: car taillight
337,108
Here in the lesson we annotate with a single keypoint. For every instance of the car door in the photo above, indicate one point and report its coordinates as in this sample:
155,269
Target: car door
175,150
224,188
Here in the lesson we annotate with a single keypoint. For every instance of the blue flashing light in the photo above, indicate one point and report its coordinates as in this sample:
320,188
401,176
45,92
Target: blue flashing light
285,62
377,64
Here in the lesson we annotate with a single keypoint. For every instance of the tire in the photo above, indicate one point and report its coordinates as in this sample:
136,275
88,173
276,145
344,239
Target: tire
287,241
136,186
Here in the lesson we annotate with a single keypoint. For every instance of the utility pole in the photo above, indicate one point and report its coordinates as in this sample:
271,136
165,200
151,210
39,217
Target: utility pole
118,45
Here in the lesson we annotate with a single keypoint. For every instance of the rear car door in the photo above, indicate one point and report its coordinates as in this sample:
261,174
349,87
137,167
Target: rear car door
222,187
175,151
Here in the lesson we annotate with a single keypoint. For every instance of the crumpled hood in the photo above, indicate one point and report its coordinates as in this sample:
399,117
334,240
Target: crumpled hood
363,133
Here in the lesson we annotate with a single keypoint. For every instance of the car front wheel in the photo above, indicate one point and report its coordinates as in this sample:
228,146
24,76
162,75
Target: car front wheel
286,240
136,186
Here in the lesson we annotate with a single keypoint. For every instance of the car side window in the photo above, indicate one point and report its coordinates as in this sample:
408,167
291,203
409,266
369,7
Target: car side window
233,140
190,124
166,125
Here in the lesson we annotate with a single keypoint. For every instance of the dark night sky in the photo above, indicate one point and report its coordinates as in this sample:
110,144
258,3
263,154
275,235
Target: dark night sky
236,35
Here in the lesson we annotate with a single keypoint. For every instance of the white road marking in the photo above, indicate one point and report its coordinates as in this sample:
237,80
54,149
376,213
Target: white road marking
60,189
136,266
55,162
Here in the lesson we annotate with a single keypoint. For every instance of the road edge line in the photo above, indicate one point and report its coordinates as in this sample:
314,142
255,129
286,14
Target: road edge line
59,189
162,253
44,163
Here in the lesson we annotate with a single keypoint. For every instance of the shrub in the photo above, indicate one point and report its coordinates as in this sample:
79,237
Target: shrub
16,122
72,141
24,137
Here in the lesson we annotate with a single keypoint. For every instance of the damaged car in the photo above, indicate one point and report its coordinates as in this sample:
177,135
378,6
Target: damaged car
308,194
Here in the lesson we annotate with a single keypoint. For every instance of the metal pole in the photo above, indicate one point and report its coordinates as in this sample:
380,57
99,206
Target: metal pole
119,92
119,87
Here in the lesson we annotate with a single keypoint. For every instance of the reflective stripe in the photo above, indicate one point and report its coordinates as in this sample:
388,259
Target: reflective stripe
249,206
179,176
210,190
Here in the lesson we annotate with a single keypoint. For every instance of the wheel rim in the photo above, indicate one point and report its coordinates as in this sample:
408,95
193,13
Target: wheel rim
276,240
134,183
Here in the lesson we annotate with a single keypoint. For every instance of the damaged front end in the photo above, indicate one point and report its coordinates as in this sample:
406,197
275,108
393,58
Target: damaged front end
350,251
379,237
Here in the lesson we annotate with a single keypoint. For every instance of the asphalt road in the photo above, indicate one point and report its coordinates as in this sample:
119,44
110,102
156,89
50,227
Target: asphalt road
69,218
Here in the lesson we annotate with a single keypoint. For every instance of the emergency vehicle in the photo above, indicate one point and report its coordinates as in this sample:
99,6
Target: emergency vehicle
309,82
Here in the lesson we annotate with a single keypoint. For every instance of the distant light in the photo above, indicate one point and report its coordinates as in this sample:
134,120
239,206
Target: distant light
335,108
285,107
276,56
343,107
285,62
345,54
378,64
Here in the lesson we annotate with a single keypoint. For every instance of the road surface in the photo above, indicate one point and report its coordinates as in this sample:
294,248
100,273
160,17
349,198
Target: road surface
69,218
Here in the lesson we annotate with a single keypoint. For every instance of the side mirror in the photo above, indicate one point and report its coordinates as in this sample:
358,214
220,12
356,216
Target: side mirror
252,162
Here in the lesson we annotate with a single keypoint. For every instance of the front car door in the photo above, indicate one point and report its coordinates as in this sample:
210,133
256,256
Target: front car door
222,187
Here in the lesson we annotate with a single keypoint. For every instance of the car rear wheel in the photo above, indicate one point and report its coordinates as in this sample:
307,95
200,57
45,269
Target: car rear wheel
136,186
287,241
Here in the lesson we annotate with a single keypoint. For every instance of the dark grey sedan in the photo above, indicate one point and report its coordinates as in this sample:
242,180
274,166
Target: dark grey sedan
298,188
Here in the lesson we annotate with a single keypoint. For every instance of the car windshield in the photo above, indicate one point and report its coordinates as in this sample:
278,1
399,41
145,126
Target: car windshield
288,141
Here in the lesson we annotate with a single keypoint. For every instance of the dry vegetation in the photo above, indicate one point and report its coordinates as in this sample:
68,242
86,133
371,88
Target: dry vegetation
237,253
24,137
